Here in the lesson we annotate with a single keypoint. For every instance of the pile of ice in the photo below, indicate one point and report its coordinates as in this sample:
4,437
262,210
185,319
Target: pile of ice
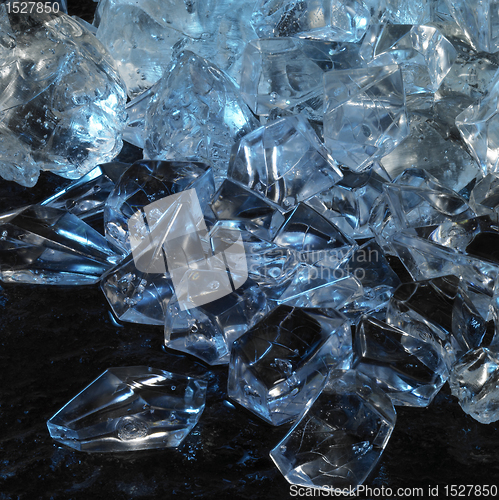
294,151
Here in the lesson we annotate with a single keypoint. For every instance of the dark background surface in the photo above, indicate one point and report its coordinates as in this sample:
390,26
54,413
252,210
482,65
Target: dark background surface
54,341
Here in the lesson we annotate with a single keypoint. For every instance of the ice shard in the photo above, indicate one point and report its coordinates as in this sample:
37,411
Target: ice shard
439,312
149,181
136,110
408,369
233,202
196,112
370,267
45,245
130,408
341,437
468,80
87,196
278,366
423,53
348,203
337,20
268,264
316,240
443,158
284,161
415,200
474,381
469,77
321,287
479,21
408,12
137,296
172,250
478,125
484,197
364,114
143,37
62,101
322,248
209,331
287,73
464,248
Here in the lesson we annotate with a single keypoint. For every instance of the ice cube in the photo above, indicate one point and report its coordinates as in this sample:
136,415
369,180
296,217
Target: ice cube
278,366
62,101
130,408
339,440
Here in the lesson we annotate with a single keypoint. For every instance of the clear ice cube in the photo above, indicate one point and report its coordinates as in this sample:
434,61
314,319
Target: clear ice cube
287,72
337,20
147,182
341,437
208,331
364,114
196,112
474,381
45,245
130,408
62,101
278,366
283,161
406,367
423,53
